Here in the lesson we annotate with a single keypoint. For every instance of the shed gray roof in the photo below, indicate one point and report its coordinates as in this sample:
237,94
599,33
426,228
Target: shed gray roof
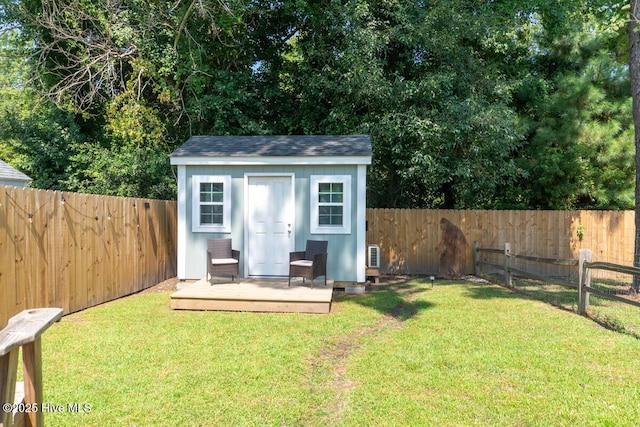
7,172
275,146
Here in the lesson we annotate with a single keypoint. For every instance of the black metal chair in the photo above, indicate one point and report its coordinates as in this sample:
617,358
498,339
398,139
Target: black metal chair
221,259
310,263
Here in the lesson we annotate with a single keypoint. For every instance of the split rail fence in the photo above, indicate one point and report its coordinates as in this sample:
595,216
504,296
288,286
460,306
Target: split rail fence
74,251
585,288
580,269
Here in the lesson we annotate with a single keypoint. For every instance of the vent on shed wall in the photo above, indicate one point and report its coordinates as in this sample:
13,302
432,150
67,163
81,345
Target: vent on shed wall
373,256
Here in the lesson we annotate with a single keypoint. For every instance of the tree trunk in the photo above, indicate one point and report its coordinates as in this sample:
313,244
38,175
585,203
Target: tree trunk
634,72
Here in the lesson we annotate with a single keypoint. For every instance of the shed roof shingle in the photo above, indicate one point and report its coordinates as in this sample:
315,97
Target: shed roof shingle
7,172
277,146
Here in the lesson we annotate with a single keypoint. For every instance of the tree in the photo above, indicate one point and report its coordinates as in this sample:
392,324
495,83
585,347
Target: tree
442,137
580,142
634,72
35,136
139,77
470,104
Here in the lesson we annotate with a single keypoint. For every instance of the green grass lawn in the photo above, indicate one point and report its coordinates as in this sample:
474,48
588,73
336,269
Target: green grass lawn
456,355
613,314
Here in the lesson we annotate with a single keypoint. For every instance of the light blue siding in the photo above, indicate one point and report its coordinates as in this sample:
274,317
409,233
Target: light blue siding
342,250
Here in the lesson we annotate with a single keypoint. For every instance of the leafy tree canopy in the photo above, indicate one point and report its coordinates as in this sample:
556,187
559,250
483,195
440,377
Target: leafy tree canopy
470,104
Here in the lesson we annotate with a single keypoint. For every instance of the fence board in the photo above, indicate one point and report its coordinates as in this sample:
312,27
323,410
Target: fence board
7,261
20,224
74,251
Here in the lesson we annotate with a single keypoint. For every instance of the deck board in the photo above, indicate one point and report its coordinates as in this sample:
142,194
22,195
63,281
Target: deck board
259,296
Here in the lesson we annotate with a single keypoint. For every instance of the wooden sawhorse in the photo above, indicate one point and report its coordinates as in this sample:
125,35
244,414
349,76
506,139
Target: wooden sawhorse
24,330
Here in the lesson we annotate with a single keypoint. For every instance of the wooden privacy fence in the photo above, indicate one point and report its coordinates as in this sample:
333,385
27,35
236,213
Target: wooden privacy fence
75,251
425,241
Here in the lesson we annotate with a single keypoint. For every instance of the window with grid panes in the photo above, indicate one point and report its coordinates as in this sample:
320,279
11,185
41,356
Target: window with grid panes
211,203
330,204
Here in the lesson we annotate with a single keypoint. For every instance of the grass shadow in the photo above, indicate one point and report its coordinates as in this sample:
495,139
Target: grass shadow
560,297
555,295
398,300
484,292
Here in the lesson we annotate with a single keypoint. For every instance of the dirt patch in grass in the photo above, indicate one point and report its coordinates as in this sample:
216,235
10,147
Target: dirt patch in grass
333,357
168,285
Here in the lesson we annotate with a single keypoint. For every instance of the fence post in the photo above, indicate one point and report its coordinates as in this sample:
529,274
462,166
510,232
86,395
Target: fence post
507,264
476,258
584,280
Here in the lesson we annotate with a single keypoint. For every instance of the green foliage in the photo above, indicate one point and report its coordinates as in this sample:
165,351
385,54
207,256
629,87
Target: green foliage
122,171
470,104
580,150
35,136
132,159
442,138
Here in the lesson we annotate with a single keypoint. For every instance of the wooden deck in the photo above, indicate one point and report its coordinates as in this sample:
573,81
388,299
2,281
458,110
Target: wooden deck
255,295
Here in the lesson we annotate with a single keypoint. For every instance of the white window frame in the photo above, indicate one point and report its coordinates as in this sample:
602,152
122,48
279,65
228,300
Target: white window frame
315,226
225,227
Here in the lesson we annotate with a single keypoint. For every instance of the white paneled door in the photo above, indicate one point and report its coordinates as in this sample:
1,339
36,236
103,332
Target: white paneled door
270,214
